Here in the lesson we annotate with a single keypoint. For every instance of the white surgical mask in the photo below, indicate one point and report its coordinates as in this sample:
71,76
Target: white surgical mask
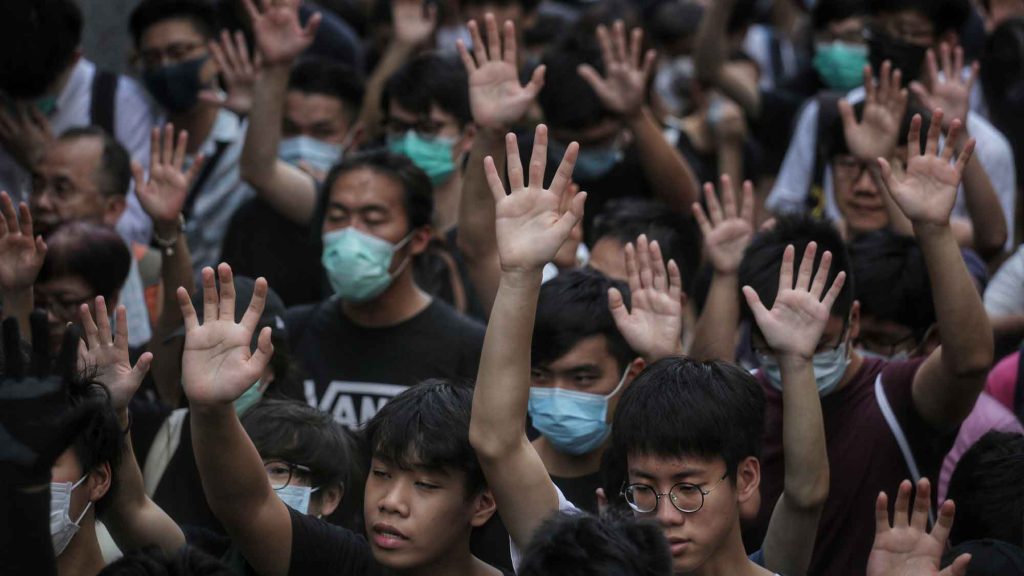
296,497
62,529
829,368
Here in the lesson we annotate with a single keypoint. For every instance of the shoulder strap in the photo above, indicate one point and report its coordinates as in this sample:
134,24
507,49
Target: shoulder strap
901,438
204,175
165,444
104,94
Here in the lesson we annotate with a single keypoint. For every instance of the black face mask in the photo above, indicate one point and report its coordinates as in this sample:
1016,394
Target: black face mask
908,58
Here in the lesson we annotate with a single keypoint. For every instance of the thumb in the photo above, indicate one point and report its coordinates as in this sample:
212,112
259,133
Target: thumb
139,175
958,567
755,304
846,114
887,176
591,76
922,93
141,368
536,81
617,306
264,351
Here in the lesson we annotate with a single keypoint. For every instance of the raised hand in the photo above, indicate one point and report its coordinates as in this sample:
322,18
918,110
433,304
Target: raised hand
951,92
906,548
25,134
107,353
532,222
413,22
279,35
926,191
239,71
797,319
884,105
21,254
164,194
218,365
495,95
624,86
653,327
728,232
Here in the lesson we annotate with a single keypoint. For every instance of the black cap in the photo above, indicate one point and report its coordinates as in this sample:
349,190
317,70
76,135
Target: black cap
273,310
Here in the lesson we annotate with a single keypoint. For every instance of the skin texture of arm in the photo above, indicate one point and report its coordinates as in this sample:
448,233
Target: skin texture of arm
710,59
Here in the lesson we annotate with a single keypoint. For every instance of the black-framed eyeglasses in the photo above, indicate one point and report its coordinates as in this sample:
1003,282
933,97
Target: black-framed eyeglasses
887,347
282,473
687,498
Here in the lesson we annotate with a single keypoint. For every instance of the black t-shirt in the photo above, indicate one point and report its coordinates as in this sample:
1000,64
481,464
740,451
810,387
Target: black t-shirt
354,370
323,549
580,490
705,164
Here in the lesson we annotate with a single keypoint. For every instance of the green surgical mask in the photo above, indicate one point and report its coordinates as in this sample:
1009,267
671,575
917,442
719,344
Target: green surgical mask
248,399
840,65
46,104
432,156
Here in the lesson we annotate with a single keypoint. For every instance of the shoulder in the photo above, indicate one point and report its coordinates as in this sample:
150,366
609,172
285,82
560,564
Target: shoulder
451,322
319,547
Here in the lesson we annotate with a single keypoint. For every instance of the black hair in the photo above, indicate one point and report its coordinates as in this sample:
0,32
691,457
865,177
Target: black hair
38,39
763,259
624,219
892,280
426,80
528,6
317,75
300,434
200,13
94,253
1002,63
101,440
671,21
988,488
945,15
115,170
152,561
826,12
566,99
834,138
681,407
573,306
419,192
427,426
583,545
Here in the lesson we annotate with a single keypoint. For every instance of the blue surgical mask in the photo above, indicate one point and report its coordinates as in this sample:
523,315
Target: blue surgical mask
897,357
248,399
433,156
840,65
296,497
358,265
829,368
317,153
176,87
592,162
574,422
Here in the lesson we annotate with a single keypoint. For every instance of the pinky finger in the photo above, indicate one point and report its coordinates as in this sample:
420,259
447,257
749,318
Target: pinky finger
833,293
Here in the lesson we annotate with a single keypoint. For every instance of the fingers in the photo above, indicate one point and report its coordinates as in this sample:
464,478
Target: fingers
591,77
313,24
882,514
714,209
494,180
493,37
227,294
803,278
643,258
901,513
570,219
914,137
728,198
604,42
747,210
245,62
141,368
833,293
154,148
846,115
965,157
539,157
178,159
636,47
702,219
947,61
619,42
632,268
167,151
869,85
89,329
10,218
817,287
973,76
617,306
922,503
103,321
210,301
510,43
931,147
193,170
658,268
467,59
514,164
675,283
264,352
951,139
25,219
139,176
786,271
887,178
884,81
944,523
479,50
252,315
188,313
755,304
563,174
120,327
536,81
932,69
250,8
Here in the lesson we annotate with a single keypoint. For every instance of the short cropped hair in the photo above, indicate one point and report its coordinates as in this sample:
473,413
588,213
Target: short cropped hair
826,12
101,440
763,259
38,39
94,253
200,13
317,75
567,100
115,170
426,80
427,426
988,488
892,280
944,15
681,407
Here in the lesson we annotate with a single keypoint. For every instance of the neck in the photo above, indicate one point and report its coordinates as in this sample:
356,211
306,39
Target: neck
400,302
459,561
198,122
856,361
446,204
82,557
730,559
567,465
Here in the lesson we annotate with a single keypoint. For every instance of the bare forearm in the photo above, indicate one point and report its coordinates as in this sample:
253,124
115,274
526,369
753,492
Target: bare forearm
18,305
394,57
175,270
664,168
730,160
711,59
803,436
476,236
715,333
987,217
1007,326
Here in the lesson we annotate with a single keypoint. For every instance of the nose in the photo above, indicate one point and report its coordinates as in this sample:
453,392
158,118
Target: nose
669,515
394,499
865,183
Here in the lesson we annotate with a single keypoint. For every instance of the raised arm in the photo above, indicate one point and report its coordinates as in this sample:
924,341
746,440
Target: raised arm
133,519
727,230
792,329
711,59
623,91
217,368
21,257
280,39
948,383
531,225
162,197
498,101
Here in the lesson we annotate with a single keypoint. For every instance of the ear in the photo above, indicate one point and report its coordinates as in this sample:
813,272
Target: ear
635,368
602,502
932,339
748,479
113,208
483,508
99,482
330,498
854,328
465,143
420,240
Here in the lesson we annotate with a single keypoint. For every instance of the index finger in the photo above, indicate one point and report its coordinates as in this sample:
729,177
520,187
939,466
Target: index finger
539,157
514,165
251,318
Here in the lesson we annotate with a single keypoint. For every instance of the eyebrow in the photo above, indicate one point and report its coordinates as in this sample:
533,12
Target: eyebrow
679,477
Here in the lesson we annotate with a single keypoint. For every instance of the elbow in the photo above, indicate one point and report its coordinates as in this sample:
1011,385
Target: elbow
487,444
808,493
991,245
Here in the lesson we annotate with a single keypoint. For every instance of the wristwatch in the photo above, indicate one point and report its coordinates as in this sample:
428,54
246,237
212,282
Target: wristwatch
166,245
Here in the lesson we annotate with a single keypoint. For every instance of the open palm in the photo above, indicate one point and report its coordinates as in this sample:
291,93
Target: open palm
107,353
239,71
727,229
280,36
624,86
163,195
653,326
951,91
884,105
532,222
412,22
217,365
926,191
496,97
21,254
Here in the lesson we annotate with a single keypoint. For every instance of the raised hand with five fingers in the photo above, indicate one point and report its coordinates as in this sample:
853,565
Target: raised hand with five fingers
623,88
25,134
796,321
413,21
496,97
106,352
654,324
532,222
239,71
726,227
951,92
877,132
164,194
218,364
280,37
21,254
926,190
906,548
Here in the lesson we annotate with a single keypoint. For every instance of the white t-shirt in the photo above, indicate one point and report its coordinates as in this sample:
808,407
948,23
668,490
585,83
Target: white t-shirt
564,506
1004,295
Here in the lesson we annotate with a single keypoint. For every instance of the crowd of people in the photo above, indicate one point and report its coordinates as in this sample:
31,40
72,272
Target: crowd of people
535,287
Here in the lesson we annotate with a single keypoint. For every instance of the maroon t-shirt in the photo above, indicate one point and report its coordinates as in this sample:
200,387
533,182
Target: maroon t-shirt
864,459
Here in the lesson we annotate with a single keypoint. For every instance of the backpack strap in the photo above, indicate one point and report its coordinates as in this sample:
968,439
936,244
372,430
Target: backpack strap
104,94
900,436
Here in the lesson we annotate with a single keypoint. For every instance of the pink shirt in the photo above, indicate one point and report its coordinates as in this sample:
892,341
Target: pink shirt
1002,380
988,414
